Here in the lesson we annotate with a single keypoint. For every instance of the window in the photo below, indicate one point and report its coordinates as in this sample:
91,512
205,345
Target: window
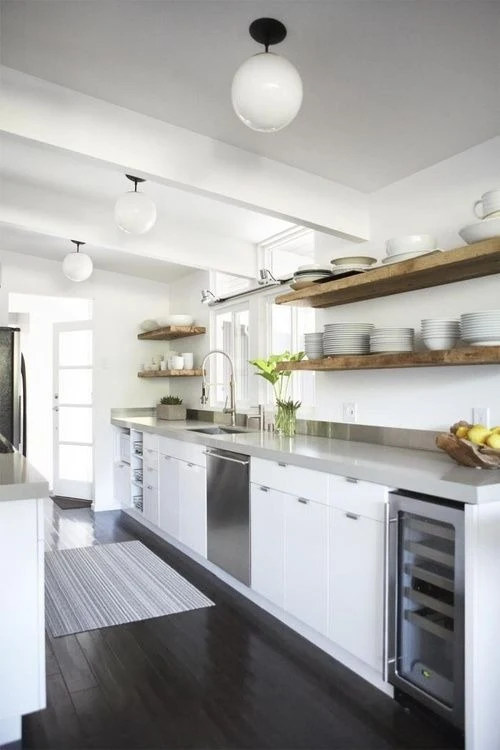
225,284
231,335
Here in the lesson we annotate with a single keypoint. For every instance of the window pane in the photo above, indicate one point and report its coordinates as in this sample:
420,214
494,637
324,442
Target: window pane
75,462
75,348
75,386
75,424
226,284
241,354
281,322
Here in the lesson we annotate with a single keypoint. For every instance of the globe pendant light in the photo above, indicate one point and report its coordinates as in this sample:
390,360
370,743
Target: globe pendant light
135,212
77,266
267,89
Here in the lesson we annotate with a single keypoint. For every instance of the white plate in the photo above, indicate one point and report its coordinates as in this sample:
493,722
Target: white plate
406,256
481,230
493,342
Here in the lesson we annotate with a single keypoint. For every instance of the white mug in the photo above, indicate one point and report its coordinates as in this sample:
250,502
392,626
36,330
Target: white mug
188,360
177,363
490,202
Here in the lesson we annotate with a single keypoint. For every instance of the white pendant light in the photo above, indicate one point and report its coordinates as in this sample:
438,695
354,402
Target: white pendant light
135,212
267,89
77,266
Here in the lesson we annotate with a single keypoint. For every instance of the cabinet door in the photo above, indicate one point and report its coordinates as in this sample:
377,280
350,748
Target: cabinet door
122,484
193,507
357,585
150,503
267,526
169,495
306,561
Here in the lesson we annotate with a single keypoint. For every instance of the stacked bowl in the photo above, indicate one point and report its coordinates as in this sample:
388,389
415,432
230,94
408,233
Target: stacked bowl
387,340
347,338
313,345
409,246
440,334
481,328
310,274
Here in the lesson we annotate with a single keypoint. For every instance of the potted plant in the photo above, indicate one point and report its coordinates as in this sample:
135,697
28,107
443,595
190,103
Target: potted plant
170,407
286,408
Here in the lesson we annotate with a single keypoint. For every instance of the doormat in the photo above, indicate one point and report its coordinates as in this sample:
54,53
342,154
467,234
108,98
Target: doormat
110,584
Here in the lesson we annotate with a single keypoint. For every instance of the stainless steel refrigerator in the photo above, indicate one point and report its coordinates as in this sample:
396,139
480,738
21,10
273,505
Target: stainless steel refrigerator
12,389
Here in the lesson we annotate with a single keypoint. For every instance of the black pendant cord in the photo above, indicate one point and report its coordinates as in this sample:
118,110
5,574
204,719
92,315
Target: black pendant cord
77,243
135,180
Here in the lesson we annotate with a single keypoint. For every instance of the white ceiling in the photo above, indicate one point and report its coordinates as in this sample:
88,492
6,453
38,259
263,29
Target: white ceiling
17,240
391,86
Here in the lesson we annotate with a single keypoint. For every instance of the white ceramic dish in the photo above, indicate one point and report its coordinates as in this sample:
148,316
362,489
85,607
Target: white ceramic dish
437,342
411,243
481,230
406,256
353,260
180,320
148,325
493,342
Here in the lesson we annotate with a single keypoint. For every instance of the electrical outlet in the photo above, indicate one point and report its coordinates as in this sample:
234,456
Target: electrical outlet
350,411
481,415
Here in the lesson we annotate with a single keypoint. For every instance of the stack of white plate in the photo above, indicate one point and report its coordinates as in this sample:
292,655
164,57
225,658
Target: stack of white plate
440,334
313,345
347,338
310,274
481,328
351,264
384,340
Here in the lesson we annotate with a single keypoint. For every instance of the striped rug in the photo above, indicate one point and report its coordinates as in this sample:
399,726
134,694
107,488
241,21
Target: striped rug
111,584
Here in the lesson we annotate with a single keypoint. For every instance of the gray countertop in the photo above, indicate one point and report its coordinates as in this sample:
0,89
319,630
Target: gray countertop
428,472
19,480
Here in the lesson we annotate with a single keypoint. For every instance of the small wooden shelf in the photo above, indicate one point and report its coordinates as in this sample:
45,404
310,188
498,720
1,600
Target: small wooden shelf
435,269
170,374
471,355
169,333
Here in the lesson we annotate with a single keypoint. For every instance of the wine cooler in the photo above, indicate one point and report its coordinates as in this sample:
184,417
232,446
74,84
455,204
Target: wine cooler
425,644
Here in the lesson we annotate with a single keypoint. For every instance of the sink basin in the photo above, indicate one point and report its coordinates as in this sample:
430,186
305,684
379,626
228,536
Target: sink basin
217,430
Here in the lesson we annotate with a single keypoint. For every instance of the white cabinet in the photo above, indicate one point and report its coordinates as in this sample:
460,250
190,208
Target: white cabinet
193,507
357,585
150,506
122,483
169,495
267,533
306,561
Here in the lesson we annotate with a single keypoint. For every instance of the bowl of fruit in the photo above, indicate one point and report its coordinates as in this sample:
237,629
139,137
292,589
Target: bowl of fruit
472,445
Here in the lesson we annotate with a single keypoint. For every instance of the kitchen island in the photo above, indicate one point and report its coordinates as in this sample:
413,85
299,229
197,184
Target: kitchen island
22,621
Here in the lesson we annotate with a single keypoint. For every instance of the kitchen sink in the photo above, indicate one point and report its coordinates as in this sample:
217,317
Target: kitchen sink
217,430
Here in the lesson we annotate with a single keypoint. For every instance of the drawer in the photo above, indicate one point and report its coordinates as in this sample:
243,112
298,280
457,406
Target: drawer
150,476
291,479
190,452
150,457
359,497
149,441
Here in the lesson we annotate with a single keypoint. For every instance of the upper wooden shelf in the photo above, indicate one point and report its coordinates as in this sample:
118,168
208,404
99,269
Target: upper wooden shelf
470,355
168,333
469,262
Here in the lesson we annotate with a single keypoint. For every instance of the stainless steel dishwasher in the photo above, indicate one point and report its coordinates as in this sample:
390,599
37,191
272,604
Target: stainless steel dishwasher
228,512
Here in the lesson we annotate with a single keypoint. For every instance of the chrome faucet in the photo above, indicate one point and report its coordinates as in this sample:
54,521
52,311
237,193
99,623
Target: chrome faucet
205,385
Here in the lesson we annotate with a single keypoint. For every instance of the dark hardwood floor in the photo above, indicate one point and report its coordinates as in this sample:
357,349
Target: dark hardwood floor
228,676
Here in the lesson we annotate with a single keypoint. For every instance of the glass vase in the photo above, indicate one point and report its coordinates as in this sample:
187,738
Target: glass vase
285,421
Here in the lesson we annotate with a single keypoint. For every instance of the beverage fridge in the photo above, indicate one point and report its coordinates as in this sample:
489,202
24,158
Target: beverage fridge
12,389
425,648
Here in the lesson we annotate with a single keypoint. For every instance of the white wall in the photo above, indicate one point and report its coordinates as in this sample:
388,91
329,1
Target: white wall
119,304
439,201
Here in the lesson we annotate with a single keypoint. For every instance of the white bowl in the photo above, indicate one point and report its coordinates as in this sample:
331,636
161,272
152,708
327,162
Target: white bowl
162,322
481,230
440,342
411,243
148,325
353,260
180,320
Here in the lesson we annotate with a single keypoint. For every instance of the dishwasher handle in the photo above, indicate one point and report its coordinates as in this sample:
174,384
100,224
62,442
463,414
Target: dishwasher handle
226,458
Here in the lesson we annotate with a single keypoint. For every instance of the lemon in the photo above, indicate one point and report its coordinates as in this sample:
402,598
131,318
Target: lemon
493,440
478,434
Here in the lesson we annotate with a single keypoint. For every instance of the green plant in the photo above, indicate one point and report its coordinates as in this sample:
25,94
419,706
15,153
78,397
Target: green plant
279,379
171,400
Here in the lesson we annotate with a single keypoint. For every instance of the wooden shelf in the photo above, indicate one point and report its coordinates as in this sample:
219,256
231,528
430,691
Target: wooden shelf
435,269
170,374
169,333
471,355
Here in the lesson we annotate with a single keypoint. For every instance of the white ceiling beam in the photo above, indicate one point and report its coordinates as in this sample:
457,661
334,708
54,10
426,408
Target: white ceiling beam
62,118
45,211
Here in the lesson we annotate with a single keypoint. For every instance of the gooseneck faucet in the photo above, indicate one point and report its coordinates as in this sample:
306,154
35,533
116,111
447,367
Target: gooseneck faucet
205,385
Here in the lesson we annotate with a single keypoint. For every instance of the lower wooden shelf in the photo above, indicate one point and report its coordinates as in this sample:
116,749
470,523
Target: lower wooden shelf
170,374
471,355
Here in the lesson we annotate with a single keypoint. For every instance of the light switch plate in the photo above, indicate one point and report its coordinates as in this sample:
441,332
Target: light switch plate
481,415
350,412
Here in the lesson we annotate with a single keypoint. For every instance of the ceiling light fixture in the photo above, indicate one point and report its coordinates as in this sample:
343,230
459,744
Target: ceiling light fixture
77,266
267,89
135,212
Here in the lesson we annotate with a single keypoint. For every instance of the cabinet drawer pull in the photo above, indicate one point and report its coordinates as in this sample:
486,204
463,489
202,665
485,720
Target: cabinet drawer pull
283,466
190,465
149,468
351,480
167,458
149,487
303,500
354,516
264,489
150,450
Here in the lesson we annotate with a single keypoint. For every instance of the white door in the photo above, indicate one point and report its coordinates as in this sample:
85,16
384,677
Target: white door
169,495
306,561
73,435
357,585
267,525
193,507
